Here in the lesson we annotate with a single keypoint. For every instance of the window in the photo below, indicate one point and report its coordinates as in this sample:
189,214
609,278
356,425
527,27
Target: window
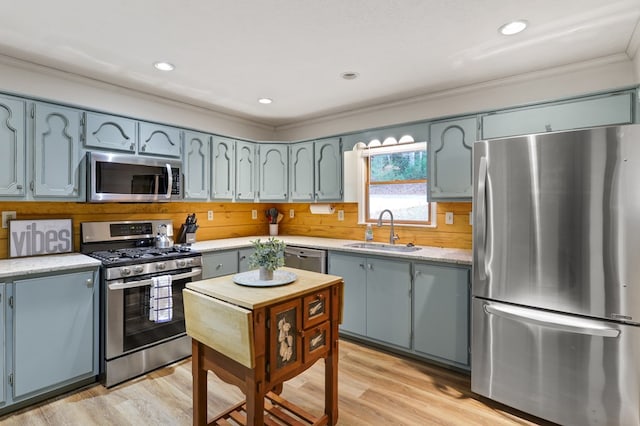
396,179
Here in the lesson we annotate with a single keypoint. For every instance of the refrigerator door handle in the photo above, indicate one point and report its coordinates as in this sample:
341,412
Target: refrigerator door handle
551,320
481,219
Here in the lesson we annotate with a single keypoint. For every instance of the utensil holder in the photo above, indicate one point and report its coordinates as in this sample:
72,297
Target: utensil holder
273,229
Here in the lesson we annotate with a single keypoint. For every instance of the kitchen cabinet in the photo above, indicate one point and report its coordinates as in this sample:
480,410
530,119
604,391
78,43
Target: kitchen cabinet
223,165
315,171
610,109
328,169
387,296
274,167
441,312
219,263
243,259
450,159
55,331
301,172
3,350
196,165
56,152
12,147
245,171
110,132
157,139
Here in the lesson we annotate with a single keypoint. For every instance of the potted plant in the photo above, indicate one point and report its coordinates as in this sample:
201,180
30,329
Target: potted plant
268,256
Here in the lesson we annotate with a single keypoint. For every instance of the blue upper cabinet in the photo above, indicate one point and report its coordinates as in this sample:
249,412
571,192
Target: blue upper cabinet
196,165
328,169
245,171
223,166
450,159
575,114
301,170
274,166
110,132
156,139
12,147
56,152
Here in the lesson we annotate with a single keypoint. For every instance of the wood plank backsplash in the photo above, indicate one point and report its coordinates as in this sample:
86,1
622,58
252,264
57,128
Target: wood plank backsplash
234,220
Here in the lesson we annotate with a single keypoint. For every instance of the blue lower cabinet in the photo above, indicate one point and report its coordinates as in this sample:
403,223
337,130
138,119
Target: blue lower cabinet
354,311
219,263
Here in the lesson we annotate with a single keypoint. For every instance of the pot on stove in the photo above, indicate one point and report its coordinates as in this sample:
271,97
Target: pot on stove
162,239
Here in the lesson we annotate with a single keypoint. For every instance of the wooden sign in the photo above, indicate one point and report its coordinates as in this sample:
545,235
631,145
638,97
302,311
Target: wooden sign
36,237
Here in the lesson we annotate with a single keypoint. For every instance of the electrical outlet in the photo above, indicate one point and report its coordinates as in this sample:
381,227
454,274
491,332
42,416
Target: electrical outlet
448,218
254,214
470,218
210,215
6,217
340,214
292,213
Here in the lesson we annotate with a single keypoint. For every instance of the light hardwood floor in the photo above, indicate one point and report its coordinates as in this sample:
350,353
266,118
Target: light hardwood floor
375,388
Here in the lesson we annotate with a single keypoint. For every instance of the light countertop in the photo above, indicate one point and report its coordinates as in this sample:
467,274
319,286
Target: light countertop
426,253
22,266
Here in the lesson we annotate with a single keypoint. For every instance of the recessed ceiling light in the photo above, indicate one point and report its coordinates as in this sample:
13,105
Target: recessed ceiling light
265,100
164,66
349,75
512,28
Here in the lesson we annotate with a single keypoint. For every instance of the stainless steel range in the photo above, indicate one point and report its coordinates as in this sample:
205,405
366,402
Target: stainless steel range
142,313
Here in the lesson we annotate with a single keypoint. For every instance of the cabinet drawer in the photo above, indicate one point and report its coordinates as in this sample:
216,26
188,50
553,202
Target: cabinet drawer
219,264
315,342
315,308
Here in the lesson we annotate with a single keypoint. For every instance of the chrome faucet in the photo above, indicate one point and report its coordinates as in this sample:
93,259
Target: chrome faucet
392,235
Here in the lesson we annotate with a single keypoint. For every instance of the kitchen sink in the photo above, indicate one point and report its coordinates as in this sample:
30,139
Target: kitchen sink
386,247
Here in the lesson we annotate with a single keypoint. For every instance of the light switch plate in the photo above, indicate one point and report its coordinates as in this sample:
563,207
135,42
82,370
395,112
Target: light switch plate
210,215
292,213
448,218
254,214
6,217
340,214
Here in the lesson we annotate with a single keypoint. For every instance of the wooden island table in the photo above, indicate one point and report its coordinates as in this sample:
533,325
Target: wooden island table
257,338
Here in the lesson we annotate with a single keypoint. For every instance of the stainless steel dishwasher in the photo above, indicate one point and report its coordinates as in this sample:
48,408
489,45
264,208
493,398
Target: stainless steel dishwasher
305,258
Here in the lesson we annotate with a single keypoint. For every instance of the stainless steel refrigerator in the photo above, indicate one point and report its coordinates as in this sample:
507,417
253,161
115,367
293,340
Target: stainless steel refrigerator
556,275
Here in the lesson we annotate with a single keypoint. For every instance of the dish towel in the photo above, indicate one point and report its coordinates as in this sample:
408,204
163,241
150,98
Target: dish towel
160,300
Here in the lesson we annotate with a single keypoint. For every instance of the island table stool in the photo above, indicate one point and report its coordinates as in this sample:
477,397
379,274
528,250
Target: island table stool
259,337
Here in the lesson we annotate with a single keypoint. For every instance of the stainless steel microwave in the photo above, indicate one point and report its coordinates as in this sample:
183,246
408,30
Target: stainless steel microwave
129,178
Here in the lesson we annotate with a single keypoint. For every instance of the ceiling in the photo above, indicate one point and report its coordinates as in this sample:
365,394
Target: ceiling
229,53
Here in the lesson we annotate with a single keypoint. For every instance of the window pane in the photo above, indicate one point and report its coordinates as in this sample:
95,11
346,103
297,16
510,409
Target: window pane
399,166
407,201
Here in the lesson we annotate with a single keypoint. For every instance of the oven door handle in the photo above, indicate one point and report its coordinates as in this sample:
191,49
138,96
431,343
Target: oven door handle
132,284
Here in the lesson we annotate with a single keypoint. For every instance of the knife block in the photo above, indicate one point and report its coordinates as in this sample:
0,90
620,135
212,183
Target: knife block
190,237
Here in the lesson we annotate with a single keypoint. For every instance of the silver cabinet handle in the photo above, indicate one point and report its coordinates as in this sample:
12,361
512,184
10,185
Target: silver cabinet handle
89,282
551,320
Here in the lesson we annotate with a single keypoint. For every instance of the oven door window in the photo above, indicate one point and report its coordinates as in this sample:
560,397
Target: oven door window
139,330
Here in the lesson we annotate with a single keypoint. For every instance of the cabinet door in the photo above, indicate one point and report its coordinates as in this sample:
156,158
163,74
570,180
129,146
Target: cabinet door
245,171
53,331
243,259
352,270
450,162
223,165
56,151
217,264
589,112
110,132
441,312
274,167
285,339
3,349
389,301
156,139
12,147
196,165
328,169
301,172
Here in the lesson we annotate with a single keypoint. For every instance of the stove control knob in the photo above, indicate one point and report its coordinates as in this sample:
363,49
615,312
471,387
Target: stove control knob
125,271
138,269
180,263
160,266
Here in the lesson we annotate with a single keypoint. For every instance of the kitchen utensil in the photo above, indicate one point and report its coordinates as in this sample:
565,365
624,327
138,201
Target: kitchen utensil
280,216
162,239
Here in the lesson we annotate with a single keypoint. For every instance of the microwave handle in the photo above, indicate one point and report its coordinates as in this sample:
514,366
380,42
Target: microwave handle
170,180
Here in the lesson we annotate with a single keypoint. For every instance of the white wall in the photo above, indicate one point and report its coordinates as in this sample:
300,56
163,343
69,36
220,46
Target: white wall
579,79
29,80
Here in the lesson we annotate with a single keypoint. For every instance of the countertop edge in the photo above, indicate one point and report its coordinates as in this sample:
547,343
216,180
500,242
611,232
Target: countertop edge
26,266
